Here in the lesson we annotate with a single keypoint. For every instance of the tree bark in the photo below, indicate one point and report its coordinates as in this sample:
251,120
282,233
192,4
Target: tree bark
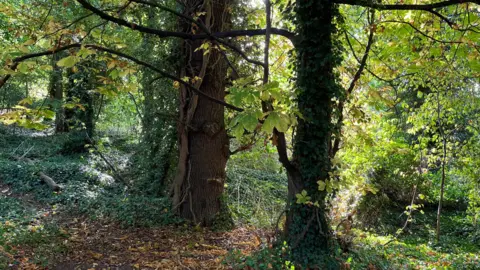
56,94
442,189
203,140
307,229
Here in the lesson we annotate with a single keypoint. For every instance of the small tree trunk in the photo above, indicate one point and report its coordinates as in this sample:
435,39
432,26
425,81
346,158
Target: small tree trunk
56,94
442,188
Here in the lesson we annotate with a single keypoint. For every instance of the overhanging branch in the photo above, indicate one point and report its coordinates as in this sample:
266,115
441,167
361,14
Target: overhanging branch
182,35
18,60
424,7
203,27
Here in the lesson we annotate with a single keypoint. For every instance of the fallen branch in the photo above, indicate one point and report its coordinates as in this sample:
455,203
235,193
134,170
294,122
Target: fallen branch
116,175
45,178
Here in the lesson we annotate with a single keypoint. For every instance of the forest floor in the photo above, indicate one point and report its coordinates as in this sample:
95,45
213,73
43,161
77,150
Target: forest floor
96,223
54,240
93,223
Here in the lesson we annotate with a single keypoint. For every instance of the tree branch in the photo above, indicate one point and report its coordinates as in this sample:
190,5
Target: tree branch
204,29
267,106
356,77
424,7
422,33
182,35
18,60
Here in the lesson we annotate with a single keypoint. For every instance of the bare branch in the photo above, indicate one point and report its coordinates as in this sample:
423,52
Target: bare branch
363,62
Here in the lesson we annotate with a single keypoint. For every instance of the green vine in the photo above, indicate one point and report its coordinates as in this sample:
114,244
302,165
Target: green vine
317,89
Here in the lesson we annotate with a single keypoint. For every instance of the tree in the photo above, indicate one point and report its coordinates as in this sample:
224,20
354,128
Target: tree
318,52
203,140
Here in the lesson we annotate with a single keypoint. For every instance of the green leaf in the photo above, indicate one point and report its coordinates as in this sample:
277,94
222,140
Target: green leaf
321,185
67,62
250,122
26,101
22,67
237,131
303,197
48,114
276,120
46,67
85,52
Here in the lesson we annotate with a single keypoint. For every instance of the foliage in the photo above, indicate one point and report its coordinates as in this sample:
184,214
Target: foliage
416,249
410,114
87,190
266,258
255,197
22,225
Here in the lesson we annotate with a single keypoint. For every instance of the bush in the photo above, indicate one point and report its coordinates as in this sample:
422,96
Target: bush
256,197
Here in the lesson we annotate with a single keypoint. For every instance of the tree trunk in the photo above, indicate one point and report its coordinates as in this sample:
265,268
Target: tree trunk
203,140
56,94
307,229
442,188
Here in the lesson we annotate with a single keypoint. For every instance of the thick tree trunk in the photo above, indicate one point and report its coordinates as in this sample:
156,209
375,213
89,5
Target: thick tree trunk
203,140
307,229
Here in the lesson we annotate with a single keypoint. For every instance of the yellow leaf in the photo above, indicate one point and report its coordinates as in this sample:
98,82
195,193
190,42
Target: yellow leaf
29,42
24,49
96,255
67,62
176,84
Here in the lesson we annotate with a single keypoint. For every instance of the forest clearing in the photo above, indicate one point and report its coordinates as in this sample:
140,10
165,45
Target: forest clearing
239,134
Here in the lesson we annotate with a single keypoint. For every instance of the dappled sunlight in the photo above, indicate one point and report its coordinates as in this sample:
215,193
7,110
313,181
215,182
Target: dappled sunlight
239,134
401,255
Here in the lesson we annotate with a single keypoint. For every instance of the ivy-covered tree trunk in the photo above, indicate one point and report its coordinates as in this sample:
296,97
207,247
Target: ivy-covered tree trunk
307,229
203,140
79,115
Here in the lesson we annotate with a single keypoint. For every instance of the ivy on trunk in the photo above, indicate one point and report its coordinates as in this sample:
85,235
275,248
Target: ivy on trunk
307,229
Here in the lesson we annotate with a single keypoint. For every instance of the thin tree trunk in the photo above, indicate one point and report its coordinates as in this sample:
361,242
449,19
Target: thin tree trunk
442,188
444,157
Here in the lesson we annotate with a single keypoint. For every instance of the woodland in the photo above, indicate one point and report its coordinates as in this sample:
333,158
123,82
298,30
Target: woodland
239,134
